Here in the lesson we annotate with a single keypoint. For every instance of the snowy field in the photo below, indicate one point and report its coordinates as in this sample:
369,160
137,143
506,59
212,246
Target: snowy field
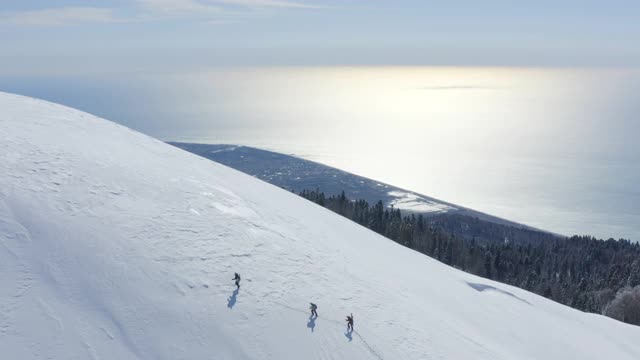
416,203
114,245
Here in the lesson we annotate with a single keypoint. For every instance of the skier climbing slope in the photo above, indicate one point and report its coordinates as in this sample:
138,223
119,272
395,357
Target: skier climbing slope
236,278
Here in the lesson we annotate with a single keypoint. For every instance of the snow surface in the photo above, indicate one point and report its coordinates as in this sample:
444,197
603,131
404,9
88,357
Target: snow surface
414,202
114,245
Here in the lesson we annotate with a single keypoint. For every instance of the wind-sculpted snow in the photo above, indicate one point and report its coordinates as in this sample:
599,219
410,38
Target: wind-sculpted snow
114,245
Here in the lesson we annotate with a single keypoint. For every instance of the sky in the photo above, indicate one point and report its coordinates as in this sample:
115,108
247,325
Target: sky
40,36
545,82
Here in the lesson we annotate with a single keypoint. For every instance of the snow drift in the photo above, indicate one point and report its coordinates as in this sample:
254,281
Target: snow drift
114,245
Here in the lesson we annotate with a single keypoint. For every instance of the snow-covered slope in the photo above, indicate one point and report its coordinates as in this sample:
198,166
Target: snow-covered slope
114,245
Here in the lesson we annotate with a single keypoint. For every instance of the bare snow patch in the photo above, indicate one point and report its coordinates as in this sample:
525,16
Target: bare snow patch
417,203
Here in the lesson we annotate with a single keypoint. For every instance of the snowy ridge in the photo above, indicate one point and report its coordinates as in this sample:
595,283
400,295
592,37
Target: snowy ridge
114,245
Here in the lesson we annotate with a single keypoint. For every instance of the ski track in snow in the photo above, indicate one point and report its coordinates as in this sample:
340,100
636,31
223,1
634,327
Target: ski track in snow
114,245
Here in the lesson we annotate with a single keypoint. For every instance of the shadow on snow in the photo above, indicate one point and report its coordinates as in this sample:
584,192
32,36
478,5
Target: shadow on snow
484,287
232,299
312,322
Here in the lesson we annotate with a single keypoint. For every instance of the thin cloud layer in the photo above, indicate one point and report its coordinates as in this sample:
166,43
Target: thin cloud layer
60,16
209,11
456,87
177,8
266,3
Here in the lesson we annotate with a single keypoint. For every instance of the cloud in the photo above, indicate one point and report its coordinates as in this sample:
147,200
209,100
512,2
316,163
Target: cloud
456,87
178,8
60,16
209,11
266,3
212,8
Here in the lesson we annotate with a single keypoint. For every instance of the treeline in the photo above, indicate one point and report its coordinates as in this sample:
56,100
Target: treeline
582,272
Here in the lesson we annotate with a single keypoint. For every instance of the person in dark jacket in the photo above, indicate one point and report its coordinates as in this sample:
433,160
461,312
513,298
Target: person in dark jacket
237,279
313,308
350,322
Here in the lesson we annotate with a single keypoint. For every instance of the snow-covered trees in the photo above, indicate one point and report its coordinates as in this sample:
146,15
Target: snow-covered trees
626,306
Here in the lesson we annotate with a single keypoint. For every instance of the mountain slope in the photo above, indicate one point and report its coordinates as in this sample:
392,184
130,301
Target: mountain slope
117,246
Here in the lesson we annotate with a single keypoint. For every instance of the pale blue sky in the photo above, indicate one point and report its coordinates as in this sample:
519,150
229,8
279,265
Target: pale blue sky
53,36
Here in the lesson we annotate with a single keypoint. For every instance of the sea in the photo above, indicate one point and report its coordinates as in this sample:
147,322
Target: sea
553,148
